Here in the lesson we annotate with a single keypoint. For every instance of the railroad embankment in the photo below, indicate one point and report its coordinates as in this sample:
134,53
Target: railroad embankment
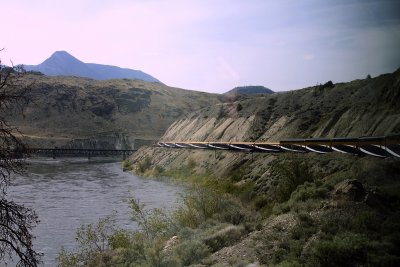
295,209
304,207
367,107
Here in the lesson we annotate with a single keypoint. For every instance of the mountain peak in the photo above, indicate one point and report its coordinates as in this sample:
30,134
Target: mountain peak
61,53
61,63
250,90
62,56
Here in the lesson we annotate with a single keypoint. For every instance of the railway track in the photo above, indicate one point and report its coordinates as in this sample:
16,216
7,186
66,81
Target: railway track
378,146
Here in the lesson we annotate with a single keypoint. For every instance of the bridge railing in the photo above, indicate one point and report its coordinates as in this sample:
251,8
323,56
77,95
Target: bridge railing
72,152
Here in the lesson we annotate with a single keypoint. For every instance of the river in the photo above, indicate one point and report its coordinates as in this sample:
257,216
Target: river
69,192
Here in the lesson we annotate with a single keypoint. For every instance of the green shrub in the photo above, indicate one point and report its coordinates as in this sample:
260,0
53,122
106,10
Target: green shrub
143,165
261,201
158,171
191,163
305,206
310,190
239,107
154,253
121,239
93,242
367,221
68,258
290,263
198,206
305,227
191,252
345,249
127,165
94,237
224,237
293,171
281,208
202,204
239,170
231,210
132,252
154,223
288,250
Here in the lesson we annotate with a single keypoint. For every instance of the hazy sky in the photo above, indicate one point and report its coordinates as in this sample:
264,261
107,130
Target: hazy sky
212,45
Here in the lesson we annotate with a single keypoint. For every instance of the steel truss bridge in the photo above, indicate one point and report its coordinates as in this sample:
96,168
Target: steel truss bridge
380,146
72,152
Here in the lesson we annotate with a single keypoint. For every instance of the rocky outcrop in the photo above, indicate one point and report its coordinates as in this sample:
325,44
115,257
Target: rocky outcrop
311,200
358,108
350,189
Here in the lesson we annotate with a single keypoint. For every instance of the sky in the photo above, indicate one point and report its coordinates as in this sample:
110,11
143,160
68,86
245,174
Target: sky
212,45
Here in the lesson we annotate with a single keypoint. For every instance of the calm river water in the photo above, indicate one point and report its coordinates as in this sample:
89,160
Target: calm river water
66,193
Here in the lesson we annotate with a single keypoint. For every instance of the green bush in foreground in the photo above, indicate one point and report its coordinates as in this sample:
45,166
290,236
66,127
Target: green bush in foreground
92,241
215,213
206,222
190,252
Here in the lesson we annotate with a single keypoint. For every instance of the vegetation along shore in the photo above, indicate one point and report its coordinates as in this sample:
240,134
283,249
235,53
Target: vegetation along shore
277,209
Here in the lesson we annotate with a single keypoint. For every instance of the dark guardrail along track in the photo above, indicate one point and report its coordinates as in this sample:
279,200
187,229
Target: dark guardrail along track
378,146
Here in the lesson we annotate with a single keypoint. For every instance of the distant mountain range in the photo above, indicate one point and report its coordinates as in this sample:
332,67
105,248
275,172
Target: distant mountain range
61,63
250,90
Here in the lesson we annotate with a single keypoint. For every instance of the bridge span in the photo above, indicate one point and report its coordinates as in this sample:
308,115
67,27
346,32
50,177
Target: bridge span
78,152
378,146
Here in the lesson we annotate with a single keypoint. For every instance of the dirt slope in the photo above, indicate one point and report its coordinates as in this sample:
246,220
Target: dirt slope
318,210
368,107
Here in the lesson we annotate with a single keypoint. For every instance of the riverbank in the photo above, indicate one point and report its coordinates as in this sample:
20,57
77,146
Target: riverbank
307,209
69,192
260,209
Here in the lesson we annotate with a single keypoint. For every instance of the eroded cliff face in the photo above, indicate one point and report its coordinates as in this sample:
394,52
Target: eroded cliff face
204,128
359,108
332,188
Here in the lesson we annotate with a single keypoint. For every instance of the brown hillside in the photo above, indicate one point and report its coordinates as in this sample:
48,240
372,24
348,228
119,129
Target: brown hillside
114,112
368,107
312,209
